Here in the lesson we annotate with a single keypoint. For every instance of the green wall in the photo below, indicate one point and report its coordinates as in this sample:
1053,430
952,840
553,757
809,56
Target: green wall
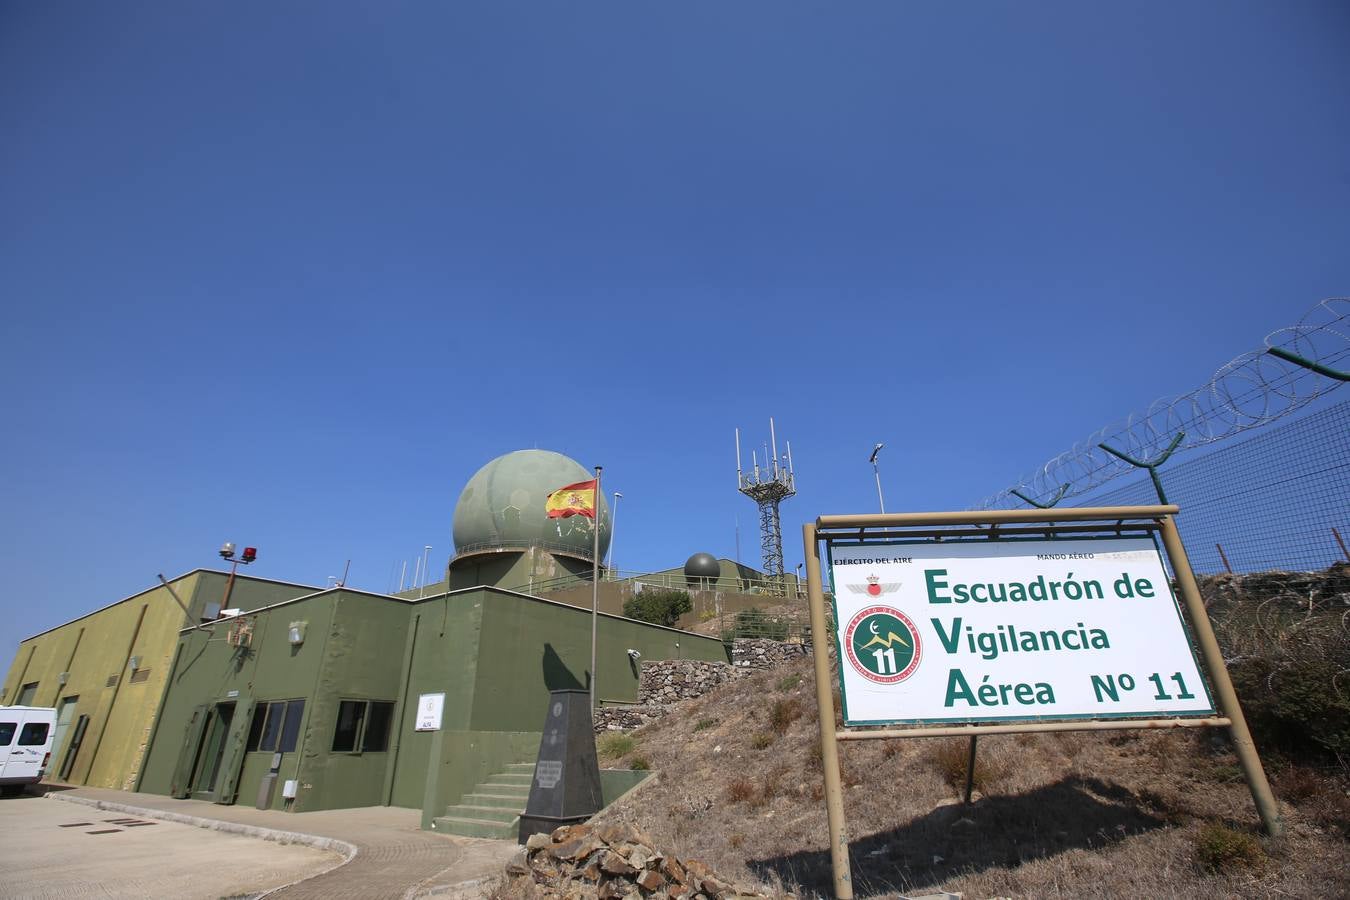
494,654
531,646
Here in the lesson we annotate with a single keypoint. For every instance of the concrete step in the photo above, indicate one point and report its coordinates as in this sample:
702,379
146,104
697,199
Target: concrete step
511,778
521,769
480,828
481,813
499,801
503,790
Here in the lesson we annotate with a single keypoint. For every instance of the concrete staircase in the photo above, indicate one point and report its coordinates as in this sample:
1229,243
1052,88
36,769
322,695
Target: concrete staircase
493,809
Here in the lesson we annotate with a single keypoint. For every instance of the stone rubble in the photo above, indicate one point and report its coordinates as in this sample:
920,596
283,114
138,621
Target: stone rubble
613,862
664,682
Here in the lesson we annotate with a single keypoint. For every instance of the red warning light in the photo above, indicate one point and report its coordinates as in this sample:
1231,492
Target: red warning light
249,555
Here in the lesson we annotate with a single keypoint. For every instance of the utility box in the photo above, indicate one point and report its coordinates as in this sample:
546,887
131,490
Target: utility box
268,785
566,785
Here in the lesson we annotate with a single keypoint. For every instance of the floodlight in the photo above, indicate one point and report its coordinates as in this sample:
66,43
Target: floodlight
227,550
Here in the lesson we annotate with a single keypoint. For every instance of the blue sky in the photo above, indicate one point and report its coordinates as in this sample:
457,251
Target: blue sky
288,274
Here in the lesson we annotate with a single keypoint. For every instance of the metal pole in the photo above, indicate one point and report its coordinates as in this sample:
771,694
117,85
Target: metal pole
970,769
614,527
829,748
425,552
881,500
1337,535
1218,674
229,586
595,576
1224,556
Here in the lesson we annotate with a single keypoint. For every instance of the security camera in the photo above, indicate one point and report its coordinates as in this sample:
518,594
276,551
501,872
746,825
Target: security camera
633,654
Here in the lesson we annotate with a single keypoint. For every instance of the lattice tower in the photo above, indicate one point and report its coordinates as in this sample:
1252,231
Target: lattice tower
768,488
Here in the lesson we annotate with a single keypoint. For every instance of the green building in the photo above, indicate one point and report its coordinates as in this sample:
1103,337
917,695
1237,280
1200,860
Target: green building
312,699
106,672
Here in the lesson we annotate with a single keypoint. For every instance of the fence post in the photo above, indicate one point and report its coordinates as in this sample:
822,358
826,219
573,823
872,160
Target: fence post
1059,495
1151,466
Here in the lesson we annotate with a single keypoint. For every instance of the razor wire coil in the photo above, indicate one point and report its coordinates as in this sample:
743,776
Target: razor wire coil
1297,365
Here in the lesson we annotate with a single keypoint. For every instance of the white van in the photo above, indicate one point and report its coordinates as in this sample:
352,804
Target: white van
25,745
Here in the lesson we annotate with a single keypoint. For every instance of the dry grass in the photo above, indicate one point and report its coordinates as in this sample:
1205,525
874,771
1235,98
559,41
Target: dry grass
1063,815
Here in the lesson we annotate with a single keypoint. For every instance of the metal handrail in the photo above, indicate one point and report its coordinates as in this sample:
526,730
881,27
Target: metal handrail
766,586
510,547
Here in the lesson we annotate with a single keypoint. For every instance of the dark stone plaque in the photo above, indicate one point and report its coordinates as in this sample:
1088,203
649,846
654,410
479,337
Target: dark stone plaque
566,785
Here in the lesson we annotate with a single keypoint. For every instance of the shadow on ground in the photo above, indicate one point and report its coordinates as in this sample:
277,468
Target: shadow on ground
994,832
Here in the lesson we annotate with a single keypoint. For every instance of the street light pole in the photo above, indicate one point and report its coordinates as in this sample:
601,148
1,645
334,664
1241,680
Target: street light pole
614,527
877,472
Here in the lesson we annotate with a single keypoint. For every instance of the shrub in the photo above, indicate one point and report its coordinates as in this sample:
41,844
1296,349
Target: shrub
740,790
1289,649
1219,848
761,740
755,623
639,764
614,745
950,759
790,682
783,713
660,606
701,724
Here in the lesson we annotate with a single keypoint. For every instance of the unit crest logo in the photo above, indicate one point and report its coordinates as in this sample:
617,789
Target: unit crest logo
882,644
874,587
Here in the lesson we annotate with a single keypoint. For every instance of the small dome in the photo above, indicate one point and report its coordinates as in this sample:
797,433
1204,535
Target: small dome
503,506
702,565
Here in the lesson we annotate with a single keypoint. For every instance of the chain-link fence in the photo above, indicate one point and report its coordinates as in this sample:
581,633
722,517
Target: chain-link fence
1277,501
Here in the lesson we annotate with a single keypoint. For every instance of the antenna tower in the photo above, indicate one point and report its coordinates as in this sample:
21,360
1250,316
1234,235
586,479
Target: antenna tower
768,488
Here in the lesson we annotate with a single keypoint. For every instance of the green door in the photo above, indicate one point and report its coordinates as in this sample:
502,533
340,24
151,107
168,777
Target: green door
232,753
181,785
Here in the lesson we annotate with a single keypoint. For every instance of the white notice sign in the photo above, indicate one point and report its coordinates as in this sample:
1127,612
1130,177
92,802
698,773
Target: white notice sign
429,708
978,631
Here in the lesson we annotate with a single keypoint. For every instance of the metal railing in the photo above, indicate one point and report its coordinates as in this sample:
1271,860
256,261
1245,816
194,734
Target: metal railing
788,587
510,547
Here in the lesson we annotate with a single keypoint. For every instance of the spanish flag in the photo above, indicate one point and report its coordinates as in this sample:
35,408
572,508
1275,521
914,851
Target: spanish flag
573,500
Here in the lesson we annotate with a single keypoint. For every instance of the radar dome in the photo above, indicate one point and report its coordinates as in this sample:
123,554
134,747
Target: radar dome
702,565
502,507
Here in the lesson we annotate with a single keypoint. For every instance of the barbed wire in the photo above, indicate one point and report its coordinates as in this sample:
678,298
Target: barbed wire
1296,366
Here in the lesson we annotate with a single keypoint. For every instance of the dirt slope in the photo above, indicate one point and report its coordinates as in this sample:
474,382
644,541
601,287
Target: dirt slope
1074,815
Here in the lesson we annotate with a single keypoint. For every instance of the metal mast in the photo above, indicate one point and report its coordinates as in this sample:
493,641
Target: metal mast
768,488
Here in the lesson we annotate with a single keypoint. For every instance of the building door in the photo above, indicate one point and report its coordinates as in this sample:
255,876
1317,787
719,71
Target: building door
73,750
191,752
65,715
212,751
225,783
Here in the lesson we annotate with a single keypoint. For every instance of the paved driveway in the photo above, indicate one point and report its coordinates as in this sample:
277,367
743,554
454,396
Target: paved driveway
53,849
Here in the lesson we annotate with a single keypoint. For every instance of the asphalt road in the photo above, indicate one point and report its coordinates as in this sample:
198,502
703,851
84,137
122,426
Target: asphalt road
53,849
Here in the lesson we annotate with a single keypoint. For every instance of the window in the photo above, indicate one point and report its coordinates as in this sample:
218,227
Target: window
26,694
7,732
34,734
363,724
276,726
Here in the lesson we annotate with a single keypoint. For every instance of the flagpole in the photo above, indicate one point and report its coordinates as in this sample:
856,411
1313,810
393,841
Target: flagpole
595,580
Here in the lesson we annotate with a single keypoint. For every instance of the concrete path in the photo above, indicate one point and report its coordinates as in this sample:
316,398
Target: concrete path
388,855
53,849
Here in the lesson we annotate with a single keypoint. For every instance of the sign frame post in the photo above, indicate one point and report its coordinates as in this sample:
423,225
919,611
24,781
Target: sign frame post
1100,522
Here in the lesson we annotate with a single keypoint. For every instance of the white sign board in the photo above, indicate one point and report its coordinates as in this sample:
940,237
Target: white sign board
429,708
979,631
